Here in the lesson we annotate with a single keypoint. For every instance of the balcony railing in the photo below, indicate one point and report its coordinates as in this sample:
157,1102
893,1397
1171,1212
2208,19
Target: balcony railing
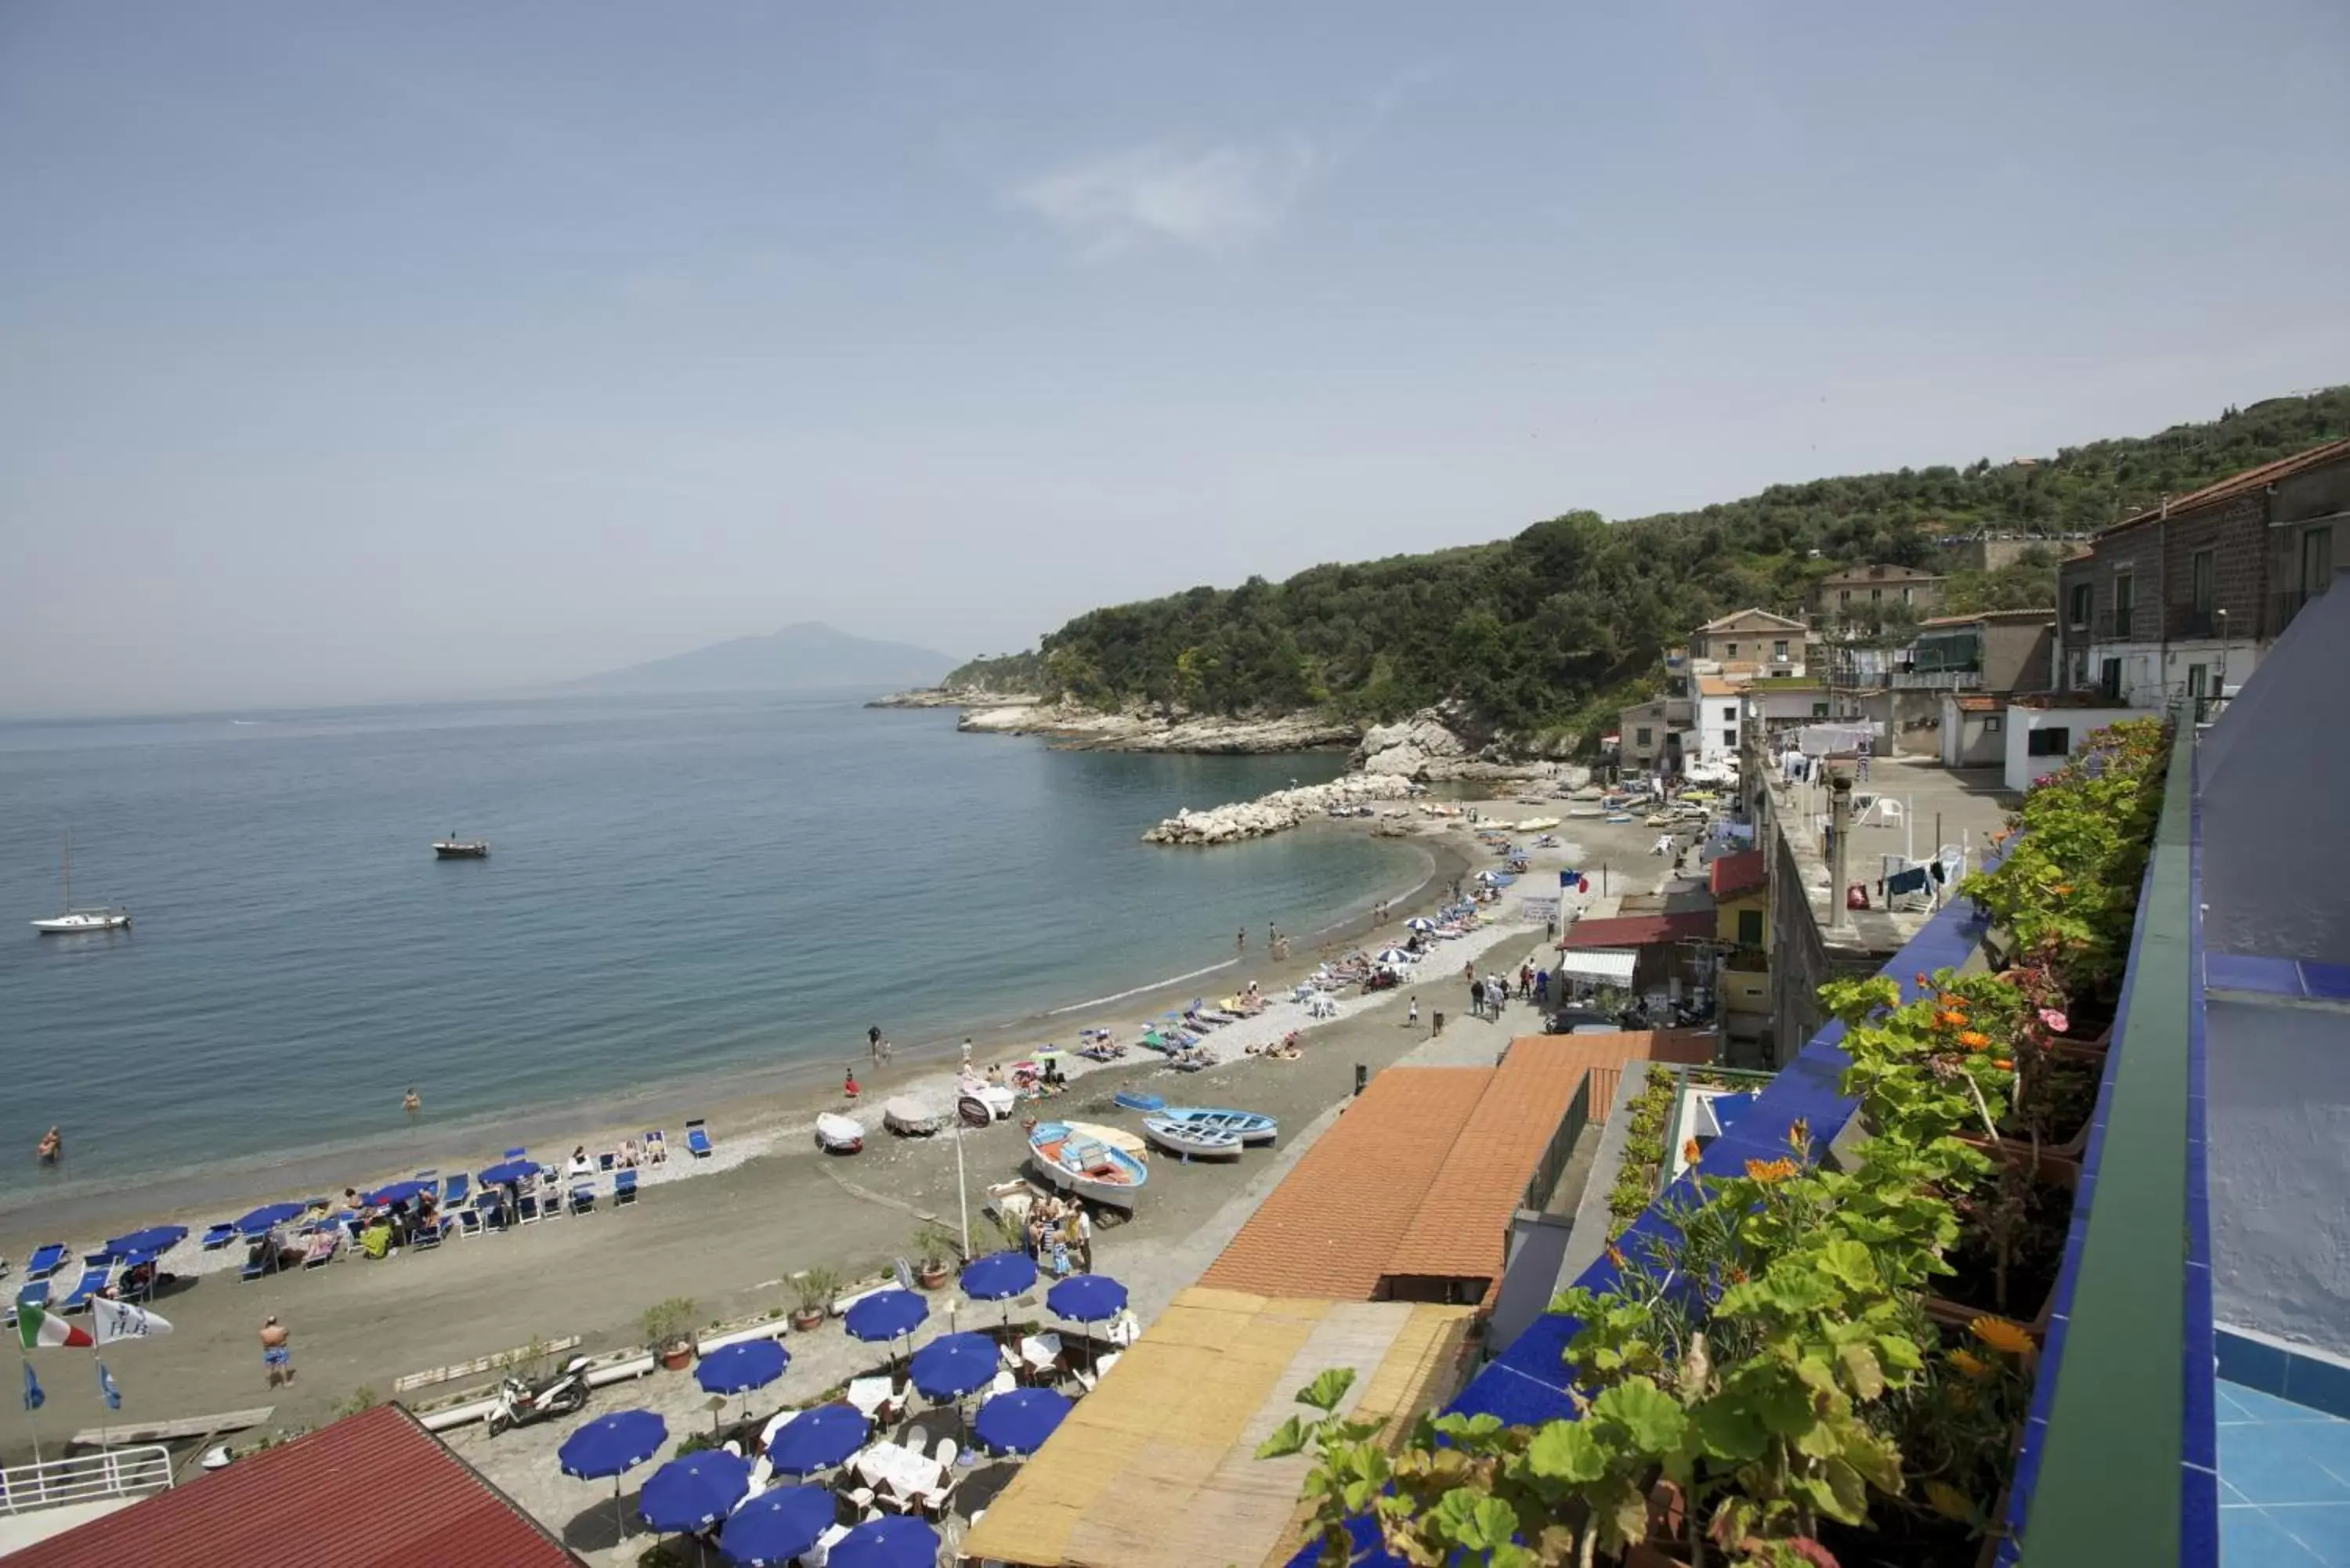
1937,680
131,1472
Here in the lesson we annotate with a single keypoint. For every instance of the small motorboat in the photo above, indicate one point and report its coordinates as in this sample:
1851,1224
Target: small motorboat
1191,1139
1116,1137
455,849
1137,1100
1251,1126
911,1118
837,1134
1086,1167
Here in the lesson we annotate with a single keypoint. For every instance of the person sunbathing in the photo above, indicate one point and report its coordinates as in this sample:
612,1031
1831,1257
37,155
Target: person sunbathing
629,1153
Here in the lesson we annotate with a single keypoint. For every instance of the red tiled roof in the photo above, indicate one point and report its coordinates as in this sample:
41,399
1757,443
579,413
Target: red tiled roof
1420,1177
1707,686
1737,873
1978,704
2243,484
1724,623
1977,616
1638,931
372,1490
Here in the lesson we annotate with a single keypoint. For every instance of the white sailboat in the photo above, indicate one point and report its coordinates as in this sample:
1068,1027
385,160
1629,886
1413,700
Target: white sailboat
75,921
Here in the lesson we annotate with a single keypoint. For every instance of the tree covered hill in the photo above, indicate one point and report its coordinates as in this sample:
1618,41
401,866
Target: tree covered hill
1545,633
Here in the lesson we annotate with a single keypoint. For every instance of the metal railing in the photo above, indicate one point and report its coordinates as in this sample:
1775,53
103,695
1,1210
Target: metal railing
131,1472
1561,1149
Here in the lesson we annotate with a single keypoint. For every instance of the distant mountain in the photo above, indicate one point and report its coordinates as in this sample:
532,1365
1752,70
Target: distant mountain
808,654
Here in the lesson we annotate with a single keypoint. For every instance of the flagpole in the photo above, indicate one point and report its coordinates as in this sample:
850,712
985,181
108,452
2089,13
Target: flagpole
31,1425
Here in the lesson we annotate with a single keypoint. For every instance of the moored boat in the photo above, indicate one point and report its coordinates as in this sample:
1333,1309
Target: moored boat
1251,1126
975,1112
455,849
1191,1140
837,1134
1117,1137
1085,1166
1137,1100
75,921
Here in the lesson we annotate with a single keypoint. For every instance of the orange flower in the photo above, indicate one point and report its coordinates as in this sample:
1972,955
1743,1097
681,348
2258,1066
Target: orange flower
1691,1153
1967,1362
1614,1254
1975,1039
2003,1063
1768,1171
2003,1336
1949,999
1951,1020
2062,889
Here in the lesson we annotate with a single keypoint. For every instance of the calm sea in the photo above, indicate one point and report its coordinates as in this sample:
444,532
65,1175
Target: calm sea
678,888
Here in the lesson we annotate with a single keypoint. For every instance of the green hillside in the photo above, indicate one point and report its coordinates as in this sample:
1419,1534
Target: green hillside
1543,632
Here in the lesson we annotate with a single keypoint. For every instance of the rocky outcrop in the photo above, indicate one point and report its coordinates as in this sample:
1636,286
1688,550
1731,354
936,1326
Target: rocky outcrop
1419,747
952,697
1077,728
1274,813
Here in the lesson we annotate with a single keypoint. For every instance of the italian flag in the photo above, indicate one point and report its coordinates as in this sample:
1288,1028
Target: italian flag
37,1327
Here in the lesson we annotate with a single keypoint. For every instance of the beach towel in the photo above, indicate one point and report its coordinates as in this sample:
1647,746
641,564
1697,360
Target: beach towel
376,1241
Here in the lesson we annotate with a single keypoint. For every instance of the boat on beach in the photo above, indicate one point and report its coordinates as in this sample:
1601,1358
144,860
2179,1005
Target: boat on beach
75,921
975,1112
1137,1100
1251,1126
1117,1137
1191,1140
837,1134
1085,1166
911,1118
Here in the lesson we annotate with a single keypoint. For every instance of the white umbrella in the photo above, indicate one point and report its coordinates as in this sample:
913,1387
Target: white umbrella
1421,923
1396,955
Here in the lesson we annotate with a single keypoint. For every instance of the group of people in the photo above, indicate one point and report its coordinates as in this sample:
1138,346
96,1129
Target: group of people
1061,1233
1488,992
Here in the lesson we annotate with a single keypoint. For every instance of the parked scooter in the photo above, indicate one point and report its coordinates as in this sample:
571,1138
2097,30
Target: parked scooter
520,1403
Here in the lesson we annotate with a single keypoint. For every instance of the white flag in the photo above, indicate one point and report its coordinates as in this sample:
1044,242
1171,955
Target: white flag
113,1319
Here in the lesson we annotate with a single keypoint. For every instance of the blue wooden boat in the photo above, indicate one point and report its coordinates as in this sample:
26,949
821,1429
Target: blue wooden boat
1191,1139
1137,1100
1251,1126
1086,1167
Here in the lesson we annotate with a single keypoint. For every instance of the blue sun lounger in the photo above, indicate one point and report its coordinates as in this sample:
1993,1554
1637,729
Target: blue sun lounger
47,1260
219,1236
624,1188
697,1141
93,1280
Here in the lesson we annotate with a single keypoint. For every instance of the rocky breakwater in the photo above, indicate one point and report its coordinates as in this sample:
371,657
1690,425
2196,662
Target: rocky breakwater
1077,728
1282,809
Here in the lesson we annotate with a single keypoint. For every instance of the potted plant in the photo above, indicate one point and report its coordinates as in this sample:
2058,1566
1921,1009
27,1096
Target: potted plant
815,1288
933,1245
669,1332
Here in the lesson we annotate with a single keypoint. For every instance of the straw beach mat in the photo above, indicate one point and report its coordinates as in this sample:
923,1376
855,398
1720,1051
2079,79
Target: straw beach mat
1157,1468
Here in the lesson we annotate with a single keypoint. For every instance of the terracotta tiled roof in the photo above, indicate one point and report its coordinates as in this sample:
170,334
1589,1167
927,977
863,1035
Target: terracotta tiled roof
1736,873
1328,1229
1979,704
1420,1177
1707,686
1979,617
1724,623
1638,931
2243,484
372,1490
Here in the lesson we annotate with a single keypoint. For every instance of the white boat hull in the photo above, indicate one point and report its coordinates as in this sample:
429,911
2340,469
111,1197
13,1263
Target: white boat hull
73,924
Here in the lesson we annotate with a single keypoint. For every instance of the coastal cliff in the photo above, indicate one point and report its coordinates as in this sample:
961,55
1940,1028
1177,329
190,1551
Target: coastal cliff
1077,728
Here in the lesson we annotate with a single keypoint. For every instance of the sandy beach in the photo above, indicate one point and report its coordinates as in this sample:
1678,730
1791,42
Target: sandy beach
728,1231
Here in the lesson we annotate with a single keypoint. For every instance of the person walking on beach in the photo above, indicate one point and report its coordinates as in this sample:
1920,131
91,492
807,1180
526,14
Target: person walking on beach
1413,1021
1476,999
409,1103
873,1042
276,1351
1240,942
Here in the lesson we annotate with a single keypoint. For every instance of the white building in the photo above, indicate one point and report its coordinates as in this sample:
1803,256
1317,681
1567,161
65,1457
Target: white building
1717,722
2040,736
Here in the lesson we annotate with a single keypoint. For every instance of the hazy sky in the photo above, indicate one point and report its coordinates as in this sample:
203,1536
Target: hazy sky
365,350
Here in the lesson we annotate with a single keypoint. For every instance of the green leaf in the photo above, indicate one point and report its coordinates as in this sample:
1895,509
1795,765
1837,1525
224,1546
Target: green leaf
1287,1439
1468,1430
1567,1451
1325,1392
1729,1432
1861,1370
1475,1519
1848,1263
1653,1418
1899,1351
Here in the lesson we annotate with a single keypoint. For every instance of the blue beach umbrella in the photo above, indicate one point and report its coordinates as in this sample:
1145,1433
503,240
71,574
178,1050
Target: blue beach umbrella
1019,1421
776,1526
154,1238
612,1446
998,1275
892,1540
688,1494
816,1439
886,1315
753,1364
1086,1298
398,1192
269,1215
953,1366
507,1172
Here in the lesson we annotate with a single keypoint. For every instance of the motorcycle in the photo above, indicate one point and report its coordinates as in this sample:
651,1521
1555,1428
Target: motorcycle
520,1403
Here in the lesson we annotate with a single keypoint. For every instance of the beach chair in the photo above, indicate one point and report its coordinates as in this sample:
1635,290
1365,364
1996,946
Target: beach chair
46,1260
254,1268
606,1161
219,1237
697,1139
624,1188
933,1500
323,1246
820,1554
488,1213
456,1191
656,1150
526,1209
93,1280
583,1197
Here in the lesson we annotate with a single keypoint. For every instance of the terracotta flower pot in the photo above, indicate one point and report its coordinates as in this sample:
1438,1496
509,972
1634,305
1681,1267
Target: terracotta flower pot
807,1318
677,1357
931,1276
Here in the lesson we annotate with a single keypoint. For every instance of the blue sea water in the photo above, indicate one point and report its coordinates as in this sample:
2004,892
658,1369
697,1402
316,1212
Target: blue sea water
678,888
